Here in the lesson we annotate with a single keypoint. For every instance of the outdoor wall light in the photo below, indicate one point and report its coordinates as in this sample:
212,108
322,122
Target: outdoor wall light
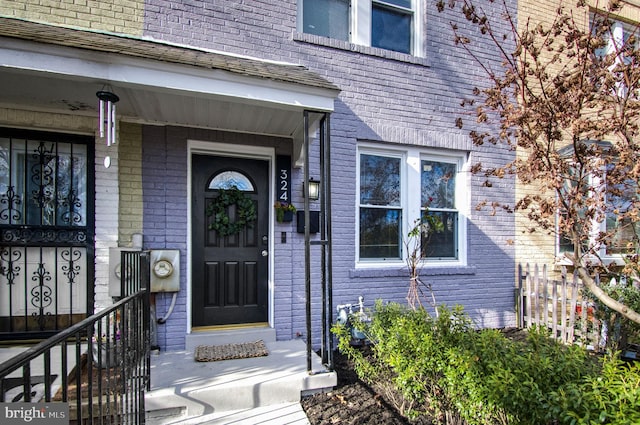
314,190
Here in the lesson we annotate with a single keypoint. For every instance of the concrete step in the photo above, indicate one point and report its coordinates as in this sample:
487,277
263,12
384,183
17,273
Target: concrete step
276,414
184,390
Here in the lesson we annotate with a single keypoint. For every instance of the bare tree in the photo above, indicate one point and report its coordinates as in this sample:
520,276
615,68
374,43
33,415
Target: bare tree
566,101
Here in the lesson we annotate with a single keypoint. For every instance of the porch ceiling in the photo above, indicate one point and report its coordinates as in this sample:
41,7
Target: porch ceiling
52,68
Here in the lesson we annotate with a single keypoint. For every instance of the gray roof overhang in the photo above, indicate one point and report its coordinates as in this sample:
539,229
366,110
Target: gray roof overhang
56,68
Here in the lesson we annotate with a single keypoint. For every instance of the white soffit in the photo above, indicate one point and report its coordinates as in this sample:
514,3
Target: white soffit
132,72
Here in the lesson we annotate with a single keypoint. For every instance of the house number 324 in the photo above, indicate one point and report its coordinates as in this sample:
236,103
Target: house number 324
284,178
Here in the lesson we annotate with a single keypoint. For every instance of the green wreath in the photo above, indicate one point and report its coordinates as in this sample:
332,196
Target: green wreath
245,212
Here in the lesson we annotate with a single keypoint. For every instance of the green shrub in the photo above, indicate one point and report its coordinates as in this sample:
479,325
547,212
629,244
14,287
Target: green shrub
610,397
408,351
444,368
509,381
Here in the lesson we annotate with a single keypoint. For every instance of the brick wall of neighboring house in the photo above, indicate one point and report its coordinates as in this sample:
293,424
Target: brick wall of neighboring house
539,247
130,182
535,247
119,16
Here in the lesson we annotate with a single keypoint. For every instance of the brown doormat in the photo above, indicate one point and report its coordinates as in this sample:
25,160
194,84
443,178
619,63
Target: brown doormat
213,353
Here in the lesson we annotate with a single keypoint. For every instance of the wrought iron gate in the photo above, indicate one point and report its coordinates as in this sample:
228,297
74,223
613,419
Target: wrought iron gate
46,232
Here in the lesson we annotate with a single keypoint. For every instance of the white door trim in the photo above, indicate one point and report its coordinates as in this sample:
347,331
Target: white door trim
249,152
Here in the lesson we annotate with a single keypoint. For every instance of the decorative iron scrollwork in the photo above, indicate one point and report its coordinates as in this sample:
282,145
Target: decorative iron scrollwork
12,213
34,236
72,269
11,257
46,231
71,204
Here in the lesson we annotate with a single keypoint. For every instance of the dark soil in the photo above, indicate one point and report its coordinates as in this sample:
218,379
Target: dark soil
352,402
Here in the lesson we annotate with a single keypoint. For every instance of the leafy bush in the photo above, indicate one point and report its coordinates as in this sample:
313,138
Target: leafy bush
444,368
620,330
509,381
610,397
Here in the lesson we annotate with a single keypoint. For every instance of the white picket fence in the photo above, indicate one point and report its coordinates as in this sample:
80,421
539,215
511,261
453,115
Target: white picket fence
557,305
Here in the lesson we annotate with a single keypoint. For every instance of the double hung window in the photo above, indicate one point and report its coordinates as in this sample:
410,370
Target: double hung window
380,207
623,230
396,191
612,230
438,190
391,25
388,24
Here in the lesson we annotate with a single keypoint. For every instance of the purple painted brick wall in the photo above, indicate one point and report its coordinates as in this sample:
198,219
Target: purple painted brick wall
402,100
164,184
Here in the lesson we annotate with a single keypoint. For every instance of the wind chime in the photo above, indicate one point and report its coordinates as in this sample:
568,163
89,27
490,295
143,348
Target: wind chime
107,119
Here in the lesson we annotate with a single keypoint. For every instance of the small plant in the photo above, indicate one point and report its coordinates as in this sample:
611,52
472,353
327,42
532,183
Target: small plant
281,209
415,244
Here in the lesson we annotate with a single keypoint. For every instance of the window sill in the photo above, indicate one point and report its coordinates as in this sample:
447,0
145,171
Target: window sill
608,260
357,48
427,270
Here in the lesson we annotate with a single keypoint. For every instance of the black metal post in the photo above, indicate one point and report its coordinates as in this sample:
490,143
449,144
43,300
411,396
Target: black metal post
307,238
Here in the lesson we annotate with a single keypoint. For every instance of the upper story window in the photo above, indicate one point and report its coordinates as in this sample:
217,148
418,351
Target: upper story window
388,24
328,18
391,25
396,189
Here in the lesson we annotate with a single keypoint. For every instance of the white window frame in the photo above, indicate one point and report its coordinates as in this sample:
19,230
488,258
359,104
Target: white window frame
410,180
360,23
596,228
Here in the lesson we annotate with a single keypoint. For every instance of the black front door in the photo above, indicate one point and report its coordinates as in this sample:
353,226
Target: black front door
230,272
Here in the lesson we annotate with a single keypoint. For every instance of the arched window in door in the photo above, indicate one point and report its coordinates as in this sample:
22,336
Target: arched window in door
229,179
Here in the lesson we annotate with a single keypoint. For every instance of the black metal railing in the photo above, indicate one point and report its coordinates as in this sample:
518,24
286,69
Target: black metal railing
100,366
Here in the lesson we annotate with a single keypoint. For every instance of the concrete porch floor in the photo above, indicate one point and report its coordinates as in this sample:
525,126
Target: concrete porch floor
261,390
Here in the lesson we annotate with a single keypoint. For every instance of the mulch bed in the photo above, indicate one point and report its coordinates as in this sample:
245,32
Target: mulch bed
352,402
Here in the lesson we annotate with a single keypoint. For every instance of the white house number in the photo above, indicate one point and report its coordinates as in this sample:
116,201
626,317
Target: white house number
284,185
284,178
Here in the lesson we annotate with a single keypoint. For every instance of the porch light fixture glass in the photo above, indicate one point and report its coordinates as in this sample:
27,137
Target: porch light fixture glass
314,190
107,115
